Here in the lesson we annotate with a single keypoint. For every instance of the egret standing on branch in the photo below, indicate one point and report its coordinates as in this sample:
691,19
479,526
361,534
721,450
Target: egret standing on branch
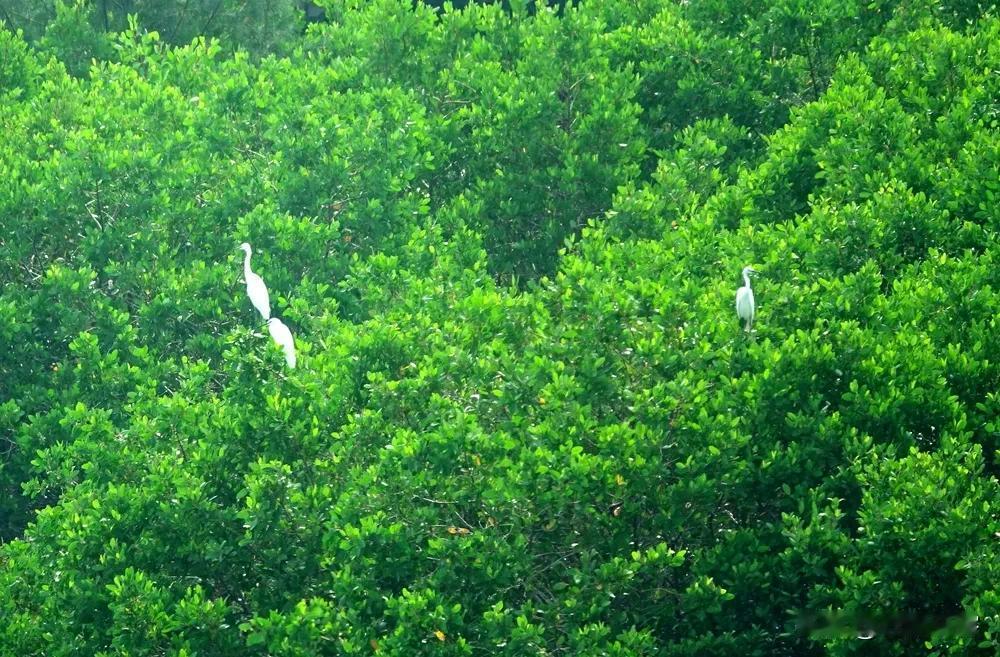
283,337
256,289
745,306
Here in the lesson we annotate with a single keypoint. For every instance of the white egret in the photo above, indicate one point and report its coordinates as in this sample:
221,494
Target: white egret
283,337
745,306
256,289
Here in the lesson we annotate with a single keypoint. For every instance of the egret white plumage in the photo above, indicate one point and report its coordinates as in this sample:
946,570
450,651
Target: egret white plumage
283,337
256,289
745,306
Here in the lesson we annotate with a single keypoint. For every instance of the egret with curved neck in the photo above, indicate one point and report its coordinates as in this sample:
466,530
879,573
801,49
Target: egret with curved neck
745,306
283,337
256,289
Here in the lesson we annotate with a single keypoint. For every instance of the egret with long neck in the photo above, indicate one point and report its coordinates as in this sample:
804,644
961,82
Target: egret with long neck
256,289
745,306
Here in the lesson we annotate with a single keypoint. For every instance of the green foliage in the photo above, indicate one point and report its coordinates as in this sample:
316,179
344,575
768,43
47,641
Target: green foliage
72,37
525,419
74,30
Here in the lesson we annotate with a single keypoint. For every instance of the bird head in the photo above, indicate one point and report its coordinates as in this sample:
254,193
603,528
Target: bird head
749,270
245,247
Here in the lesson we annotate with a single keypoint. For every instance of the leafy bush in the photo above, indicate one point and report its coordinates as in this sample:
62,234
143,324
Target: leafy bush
526,419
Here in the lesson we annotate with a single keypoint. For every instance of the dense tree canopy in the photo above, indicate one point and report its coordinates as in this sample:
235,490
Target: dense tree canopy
525,419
